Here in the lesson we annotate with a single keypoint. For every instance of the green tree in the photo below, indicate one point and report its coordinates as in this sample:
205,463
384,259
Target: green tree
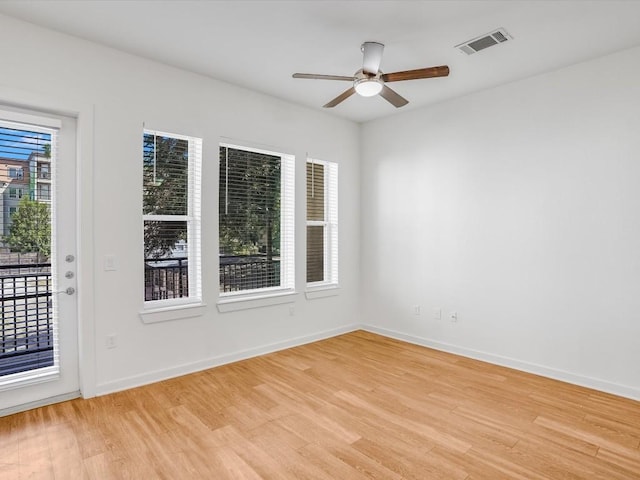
46,150
165,192
30,229
249,203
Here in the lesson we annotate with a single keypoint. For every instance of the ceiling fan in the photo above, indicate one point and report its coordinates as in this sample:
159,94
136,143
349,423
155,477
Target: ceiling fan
370,81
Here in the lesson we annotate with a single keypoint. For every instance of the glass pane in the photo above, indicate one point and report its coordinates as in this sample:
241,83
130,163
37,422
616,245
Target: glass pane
26,315
249,212
165,175
315,254
315,192
165,264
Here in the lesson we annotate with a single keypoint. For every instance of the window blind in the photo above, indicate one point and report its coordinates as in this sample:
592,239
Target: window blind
315,229
29,325
322,222
256,215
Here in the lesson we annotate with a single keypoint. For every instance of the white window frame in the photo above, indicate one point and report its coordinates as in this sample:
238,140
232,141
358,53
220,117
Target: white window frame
230,301
330,226
165,309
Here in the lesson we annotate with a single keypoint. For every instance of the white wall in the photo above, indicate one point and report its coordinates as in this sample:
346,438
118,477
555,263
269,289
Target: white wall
518,208
126,91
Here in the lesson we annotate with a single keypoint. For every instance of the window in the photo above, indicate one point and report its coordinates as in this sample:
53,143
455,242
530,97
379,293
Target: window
171,216
12,211
256,221
322,223
15,192
15,172
44,192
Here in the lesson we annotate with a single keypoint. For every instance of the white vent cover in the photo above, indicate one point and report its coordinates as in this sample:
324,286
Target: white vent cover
484,41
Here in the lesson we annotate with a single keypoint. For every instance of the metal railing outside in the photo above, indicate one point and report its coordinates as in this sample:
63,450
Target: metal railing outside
250,272
167,278
26,325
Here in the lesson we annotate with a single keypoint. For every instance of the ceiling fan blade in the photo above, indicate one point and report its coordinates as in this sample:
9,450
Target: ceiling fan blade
430,72
340,98
313,76
392,97
372,56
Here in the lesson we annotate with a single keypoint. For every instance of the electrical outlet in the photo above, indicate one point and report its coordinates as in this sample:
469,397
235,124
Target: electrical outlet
453,316
416,309
111,341
437,314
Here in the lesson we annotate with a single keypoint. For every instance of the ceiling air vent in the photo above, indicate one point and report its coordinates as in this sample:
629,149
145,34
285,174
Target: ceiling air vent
484,41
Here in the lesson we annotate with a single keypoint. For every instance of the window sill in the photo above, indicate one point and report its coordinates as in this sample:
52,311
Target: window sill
234,304
322,291
31,377
174,312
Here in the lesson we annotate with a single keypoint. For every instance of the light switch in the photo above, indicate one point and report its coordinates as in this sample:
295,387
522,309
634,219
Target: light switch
110,263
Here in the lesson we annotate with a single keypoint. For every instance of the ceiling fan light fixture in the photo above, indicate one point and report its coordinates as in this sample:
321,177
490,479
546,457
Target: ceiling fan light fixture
368,87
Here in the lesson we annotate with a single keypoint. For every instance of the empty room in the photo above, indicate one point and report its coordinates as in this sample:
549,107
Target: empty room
319,239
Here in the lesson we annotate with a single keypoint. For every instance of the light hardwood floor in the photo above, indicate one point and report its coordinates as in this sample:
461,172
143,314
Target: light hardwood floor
356,406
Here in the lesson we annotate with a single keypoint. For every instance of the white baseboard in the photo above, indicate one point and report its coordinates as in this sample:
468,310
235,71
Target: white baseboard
164,374
556,374
589,382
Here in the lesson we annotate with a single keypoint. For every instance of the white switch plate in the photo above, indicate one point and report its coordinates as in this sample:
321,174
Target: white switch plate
437,314
110,263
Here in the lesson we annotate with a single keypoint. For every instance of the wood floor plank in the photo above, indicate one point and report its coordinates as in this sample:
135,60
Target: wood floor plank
333,466
357,406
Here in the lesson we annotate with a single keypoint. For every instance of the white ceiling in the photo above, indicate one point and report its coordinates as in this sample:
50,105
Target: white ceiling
259,44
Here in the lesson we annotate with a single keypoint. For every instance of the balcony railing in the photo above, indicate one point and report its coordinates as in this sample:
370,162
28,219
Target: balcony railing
166,278
169,278
26,325
239,273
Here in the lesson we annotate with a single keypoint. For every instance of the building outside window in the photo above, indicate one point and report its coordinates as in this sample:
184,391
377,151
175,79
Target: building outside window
256,221
171,217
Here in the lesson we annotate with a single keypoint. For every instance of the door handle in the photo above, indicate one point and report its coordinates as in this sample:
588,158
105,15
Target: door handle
68,291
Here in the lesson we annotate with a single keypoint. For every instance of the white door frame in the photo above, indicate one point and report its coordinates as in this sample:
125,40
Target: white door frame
84,114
